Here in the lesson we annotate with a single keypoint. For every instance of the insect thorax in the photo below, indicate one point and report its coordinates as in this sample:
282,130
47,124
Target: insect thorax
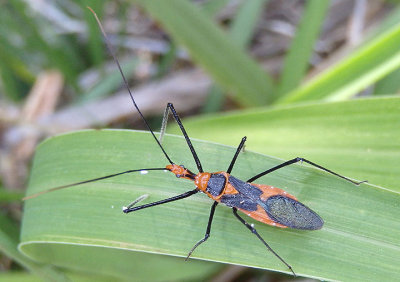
216,184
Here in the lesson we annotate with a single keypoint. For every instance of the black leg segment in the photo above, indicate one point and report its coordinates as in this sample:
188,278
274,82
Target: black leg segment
170,107
254,231
239,148
176,198
207,235
295,160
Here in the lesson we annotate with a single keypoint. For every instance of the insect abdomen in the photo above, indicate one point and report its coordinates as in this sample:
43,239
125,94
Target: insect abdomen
271,205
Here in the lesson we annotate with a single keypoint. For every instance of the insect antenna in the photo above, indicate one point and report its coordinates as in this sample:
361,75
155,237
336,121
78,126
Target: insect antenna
108,44
88,181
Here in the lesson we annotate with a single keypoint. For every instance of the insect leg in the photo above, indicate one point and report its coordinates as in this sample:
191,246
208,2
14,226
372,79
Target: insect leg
175,198
207,235
254,231
295,160
239,148
170,107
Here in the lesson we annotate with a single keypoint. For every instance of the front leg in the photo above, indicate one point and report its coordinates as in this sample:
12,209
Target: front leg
131,208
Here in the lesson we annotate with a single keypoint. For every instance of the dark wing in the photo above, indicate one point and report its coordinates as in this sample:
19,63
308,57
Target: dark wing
239,201
292,213
279,208
245,198
246,189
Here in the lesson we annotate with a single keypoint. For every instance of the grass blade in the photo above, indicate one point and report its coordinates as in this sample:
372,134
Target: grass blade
209,46
356,72
240,32
213,7
243,24
8,247
388,85
297,60
109,82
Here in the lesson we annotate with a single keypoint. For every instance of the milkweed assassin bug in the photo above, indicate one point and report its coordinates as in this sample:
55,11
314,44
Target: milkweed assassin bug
264,203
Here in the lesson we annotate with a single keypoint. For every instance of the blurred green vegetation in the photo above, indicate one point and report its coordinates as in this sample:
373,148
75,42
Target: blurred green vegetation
65,37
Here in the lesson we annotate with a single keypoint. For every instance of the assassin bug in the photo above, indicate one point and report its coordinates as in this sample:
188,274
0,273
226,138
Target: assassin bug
264,203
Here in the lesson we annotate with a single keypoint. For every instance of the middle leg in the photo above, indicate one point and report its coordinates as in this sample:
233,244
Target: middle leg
296,160
208,230
131,208
239,148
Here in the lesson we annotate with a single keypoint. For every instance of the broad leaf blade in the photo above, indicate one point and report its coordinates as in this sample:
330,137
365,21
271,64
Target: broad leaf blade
357,242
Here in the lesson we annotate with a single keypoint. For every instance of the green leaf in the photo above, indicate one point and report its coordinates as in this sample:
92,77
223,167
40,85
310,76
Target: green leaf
240,32
8,247
80,226
243,24
210,47
364,67
215,100
9,195
388,85
19,276
109,82
297,60
358,138
212,7
78,246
